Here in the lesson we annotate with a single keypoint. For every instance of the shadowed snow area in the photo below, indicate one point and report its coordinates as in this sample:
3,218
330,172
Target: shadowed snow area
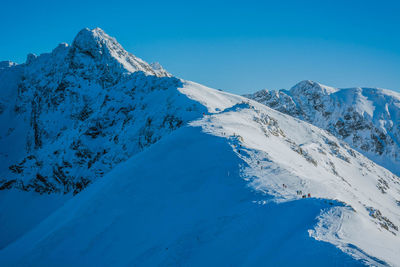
36,207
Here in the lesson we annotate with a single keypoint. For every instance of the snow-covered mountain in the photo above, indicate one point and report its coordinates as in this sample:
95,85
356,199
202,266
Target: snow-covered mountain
170,172
70,116
368,119
83,108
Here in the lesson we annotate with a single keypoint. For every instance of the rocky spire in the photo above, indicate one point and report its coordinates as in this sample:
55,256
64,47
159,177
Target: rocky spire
95,46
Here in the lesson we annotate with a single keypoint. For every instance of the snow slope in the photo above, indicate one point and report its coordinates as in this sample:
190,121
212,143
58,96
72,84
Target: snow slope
212,192
368,119
21,211
169,215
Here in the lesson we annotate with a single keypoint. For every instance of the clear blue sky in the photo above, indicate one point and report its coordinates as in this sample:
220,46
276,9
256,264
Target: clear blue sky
238,46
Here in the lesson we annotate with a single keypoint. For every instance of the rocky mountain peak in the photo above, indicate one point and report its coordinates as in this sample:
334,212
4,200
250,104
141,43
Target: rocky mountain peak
91,105
95,42
95,48
93,58
310,87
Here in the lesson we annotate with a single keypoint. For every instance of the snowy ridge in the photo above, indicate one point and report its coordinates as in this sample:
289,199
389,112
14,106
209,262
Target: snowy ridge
170,172
368,119
305,158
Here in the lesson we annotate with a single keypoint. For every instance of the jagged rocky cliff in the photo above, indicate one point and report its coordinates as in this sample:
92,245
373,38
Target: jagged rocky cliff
71,115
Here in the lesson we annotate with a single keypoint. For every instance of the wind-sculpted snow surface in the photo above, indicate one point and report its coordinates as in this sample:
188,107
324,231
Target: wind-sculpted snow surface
368,119
189,175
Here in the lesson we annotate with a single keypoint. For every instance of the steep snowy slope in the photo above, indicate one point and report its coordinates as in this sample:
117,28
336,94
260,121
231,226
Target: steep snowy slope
223,190
368,119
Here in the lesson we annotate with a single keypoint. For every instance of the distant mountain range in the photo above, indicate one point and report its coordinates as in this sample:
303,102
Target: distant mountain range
368,119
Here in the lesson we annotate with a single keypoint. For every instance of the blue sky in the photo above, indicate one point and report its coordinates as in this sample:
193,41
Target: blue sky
238,46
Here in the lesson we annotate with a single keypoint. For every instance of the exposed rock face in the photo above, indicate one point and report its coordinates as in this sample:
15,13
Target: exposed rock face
368,119
75,113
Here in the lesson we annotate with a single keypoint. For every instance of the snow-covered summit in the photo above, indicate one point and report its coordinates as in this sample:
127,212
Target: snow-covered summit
93,56
308,86
103,49
57,99
366,118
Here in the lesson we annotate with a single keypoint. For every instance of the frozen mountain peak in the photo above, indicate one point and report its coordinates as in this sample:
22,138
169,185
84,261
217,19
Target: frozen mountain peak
97,30
88,39
86,32
96,34
308,86
307,83
103,49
